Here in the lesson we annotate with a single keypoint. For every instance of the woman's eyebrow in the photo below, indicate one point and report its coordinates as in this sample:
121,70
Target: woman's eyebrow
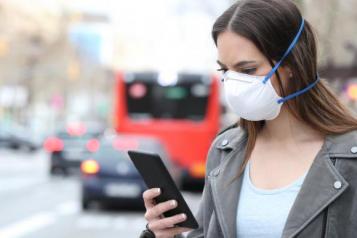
221,64
243,63
237,65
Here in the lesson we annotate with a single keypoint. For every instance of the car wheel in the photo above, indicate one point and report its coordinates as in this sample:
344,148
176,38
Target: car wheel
53,171
85,205
57,171
15,146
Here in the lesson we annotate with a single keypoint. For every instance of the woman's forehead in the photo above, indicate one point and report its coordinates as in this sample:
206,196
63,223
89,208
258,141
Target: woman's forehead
233,48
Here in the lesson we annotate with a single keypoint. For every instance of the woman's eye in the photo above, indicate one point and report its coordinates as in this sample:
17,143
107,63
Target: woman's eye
222,70
249,71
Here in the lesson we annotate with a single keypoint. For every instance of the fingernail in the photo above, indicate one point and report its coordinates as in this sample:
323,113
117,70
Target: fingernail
158,191
173,203
183,216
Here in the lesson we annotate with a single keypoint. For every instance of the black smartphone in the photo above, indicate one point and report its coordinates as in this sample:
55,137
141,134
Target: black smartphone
156,175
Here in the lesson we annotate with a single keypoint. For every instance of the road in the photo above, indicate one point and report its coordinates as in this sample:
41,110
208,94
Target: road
35,205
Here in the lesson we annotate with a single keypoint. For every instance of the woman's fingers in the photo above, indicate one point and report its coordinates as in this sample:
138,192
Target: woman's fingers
149,196
156,211
168,222
163,227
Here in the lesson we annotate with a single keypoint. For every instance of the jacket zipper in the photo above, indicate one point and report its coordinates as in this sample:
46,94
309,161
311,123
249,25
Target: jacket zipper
324,222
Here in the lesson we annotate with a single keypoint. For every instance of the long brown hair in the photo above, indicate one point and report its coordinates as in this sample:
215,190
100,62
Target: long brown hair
271,25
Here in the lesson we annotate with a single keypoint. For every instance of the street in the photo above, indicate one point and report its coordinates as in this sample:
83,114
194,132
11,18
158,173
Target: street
35,205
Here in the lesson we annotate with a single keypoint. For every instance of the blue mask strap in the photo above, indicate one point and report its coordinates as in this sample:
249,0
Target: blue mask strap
292,45
299,92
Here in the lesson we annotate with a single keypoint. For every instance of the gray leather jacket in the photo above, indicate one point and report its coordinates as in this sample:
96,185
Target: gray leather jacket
326,205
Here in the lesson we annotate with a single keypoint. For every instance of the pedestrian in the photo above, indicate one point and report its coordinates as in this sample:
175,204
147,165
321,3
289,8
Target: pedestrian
288,168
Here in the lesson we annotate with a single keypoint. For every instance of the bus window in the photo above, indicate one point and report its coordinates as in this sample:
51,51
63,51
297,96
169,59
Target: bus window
185,100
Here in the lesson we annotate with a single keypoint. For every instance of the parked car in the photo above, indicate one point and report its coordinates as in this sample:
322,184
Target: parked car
70,146
17,137
110,176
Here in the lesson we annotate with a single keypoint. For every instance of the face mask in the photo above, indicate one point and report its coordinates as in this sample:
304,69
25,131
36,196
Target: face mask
254,97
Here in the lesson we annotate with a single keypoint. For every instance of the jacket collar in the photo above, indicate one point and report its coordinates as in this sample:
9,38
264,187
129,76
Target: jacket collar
342,145
232,139
317,192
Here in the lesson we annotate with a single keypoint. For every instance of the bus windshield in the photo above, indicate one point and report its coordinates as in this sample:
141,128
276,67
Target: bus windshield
185,100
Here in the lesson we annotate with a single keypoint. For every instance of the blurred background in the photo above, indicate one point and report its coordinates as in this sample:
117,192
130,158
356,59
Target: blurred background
83,81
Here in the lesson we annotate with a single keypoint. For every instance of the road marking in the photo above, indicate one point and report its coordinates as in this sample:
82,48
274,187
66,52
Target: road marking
28,225
68,208
126,222
122,222
93,221
12,184
38,221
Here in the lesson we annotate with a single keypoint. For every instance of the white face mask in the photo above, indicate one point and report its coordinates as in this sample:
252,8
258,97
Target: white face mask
250,98
254,97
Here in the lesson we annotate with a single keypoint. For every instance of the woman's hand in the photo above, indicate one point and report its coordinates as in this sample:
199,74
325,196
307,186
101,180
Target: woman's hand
162,227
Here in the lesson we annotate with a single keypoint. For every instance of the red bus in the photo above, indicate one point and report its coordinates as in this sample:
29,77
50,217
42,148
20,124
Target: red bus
182,110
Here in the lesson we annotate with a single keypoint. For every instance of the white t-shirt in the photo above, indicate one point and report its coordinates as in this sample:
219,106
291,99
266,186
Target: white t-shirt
262,213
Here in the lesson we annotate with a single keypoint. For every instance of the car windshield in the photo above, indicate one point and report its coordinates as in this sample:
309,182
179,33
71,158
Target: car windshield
65,136
108,152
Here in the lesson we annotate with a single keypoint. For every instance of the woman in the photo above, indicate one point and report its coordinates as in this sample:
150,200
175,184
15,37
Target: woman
289,168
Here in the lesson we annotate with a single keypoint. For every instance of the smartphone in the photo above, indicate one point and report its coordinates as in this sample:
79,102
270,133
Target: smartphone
156,175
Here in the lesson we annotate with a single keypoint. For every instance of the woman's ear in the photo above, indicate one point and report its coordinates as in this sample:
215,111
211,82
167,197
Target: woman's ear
285,72
289,72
